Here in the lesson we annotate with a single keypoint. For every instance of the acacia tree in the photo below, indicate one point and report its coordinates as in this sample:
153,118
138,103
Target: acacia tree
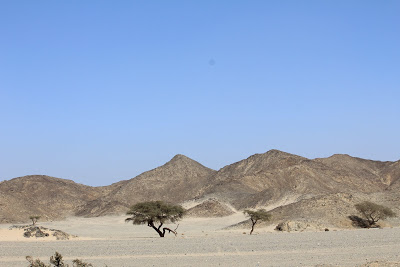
34,219
373,212
258,215
155,214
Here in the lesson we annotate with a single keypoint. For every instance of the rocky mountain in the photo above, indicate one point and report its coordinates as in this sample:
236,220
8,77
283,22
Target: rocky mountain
288,185
178,180
50,197
276,178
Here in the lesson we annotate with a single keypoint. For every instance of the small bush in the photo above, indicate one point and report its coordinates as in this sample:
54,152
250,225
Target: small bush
79,263
35,263
57,261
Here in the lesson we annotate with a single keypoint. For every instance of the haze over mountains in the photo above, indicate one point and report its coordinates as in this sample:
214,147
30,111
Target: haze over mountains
292,187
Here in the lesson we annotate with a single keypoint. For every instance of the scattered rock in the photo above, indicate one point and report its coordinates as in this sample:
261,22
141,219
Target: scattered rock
35,231
40,231
60,235
295,226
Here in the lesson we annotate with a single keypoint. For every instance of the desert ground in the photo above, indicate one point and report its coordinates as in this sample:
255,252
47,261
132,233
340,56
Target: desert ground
201,242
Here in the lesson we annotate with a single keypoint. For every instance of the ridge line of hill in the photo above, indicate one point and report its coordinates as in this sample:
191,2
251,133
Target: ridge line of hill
271,179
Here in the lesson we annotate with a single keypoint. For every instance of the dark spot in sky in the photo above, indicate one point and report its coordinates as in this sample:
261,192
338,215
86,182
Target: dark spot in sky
211,62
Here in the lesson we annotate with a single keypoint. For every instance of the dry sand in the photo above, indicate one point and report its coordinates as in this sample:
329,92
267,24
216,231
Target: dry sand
200,242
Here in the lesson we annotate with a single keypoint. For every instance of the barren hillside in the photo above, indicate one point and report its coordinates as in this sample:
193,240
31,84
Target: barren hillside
276,178
210,208
289,185
178,180
50,197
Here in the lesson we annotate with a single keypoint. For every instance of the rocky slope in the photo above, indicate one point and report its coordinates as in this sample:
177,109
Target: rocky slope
50,197
210,208
178,180
289,185
276,178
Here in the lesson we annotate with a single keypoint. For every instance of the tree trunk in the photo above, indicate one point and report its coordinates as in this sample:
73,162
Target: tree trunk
252,226
158,229
151,224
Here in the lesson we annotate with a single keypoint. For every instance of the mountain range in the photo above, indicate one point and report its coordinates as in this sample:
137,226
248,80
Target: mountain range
290,186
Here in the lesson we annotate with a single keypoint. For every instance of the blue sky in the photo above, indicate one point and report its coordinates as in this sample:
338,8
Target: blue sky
99,91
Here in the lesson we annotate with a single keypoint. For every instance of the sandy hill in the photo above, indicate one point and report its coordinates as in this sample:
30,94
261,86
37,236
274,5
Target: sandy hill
210,208
288,185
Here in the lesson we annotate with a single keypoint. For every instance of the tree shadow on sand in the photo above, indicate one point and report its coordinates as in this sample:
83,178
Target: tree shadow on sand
359,222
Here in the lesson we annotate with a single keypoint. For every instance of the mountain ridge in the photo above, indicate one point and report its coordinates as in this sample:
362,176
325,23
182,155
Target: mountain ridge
269,179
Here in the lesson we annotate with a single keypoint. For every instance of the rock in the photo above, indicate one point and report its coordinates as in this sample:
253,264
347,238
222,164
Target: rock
60,235
27,234
35,231
290,226
40,231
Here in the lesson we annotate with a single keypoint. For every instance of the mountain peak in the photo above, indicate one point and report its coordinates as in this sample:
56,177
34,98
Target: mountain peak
180,157
340,156
277,152
274,153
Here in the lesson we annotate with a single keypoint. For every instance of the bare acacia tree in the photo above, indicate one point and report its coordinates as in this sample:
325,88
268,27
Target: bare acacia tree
34,219
155,214
258,215
373,212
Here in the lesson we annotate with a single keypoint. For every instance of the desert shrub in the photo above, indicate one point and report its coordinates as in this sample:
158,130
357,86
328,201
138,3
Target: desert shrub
57,261
34,219
35,263
79,263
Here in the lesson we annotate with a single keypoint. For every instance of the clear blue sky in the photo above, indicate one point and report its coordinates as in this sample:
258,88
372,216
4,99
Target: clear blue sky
99,91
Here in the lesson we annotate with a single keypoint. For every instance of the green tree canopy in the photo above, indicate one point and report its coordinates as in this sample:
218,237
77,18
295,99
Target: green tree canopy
155,214
257,215
373,212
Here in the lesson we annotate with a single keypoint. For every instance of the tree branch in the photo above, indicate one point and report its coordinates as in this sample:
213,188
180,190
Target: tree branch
169,231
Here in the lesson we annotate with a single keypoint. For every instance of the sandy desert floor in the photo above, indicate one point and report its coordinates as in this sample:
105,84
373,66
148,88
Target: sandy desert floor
200,242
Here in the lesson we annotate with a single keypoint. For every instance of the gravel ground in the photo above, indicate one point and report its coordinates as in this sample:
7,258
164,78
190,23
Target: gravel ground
209,248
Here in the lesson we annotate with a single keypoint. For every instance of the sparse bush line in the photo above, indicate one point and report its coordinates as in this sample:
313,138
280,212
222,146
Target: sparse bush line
57,261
